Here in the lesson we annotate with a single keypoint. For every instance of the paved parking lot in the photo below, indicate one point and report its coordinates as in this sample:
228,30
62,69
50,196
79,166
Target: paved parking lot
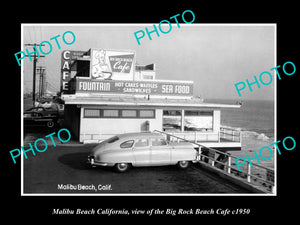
63,169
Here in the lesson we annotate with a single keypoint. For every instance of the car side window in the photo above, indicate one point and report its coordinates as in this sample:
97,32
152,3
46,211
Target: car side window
158,142
141,142
127,144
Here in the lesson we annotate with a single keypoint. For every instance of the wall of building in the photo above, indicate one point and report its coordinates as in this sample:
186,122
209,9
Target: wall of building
72,120
102,128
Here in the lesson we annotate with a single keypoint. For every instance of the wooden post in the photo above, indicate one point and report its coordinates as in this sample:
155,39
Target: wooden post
182,120
229,165
200,151
249,173
213,161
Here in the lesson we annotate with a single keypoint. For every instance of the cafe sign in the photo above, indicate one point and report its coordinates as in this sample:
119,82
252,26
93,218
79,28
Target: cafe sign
114,65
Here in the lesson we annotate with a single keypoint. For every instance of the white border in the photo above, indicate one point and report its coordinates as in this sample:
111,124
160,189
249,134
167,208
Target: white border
150,194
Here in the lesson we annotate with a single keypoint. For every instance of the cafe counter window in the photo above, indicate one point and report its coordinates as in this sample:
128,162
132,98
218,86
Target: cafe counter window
198,121
194,120
172,120
119,113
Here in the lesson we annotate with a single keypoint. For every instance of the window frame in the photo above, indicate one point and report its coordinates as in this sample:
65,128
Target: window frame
125,142
86,116
199,114
137,140
146,117
102,113
120,113
166,143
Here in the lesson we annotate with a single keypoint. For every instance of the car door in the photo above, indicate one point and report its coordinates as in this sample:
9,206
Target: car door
141,152
160,152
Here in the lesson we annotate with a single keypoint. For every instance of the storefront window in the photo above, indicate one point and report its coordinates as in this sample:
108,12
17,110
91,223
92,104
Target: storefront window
92,113
119,113
147,114
110,113
172,120
128,113
198,120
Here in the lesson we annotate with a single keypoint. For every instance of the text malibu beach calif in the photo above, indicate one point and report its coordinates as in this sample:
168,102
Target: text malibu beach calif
78,187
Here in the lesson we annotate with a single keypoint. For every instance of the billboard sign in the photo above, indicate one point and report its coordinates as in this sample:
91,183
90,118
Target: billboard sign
134,87
114,65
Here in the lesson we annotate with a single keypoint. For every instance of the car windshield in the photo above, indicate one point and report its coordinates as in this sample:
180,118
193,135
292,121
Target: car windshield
112,139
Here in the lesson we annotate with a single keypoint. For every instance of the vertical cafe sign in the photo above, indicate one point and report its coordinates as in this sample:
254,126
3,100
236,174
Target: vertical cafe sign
67,58
113,65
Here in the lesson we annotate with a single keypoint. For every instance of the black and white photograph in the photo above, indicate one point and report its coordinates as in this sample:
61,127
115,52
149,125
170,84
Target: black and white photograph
140,111
187,110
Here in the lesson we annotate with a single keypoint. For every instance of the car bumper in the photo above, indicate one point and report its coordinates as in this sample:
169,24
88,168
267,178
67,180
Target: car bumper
91,160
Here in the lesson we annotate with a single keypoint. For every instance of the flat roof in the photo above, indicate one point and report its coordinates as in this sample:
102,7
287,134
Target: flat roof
134,101
139,134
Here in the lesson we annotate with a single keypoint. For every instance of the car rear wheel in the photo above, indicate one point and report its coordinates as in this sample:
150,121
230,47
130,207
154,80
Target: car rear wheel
183,164
121,167
50,124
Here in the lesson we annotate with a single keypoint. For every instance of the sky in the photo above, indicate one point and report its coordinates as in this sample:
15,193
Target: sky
214,56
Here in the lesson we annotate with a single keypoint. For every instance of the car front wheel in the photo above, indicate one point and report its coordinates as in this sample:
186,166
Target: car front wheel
121,167
50,124
183,164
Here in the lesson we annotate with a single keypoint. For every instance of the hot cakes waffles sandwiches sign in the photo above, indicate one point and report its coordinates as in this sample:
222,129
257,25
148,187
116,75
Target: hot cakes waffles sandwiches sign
134,87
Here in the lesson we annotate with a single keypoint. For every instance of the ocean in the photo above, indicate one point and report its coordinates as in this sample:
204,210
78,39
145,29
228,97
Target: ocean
255,117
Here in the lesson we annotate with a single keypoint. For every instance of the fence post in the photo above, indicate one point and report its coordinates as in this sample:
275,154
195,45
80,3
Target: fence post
229,165
213,160
249,173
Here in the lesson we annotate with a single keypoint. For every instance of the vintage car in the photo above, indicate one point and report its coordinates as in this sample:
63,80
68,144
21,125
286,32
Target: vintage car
40,116
141,149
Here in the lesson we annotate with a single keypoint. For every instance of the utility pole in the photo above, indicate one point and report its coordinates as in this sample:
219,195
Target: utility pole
41,71
34,68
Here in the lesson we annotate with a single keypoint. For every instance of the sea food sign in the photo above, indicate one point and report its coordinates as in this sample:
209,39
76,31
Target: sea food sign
115,65
134,87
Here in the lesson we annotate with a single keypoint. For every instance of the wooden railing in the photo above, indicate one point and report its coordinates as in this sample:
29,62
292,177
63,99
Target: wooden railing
252,173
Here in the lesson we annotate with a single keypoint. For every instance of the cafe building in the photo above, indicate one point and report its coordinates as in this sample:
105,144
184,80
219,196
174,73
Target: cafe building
106,93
